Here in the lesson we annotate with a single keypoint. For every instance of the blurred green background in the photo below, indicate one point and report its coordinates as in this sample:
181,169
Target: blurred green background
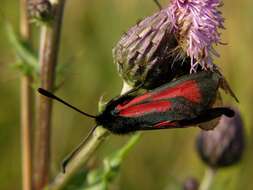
162,159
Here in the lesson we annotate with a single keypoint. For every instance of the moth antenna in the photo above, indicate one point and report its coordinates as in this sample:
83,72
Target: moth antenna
51,95
76,150
158,4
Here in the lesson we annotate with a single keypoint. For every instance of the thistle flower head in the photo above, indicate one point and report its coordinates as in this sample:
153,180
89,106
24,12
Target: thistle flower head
170,43
197,22
147,53
224,145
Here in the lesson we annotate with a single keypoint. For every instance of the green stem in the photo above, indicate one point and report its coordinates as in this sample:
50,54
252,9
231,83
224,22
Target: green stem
129,145
21,49
83,155
112,163
208,179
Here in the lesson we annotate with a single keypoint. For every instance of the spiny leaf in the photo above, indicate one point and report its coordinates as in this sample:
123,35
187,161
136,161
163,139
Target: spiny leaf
28,60
99,179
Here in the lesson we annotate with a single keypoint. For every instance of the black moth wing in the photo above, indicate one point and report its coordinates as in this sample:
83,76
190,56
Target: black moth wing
181,100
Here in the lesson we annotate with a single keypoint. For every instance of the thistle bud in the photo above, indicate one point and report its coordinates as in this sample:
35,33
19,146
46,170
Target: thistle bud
40,10
224,145
191,184
148,52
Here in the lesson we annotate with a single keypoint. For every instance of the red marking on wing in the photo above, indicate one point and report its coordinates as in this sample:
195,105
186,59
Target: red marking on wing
141,109
188,89
166,124
133,101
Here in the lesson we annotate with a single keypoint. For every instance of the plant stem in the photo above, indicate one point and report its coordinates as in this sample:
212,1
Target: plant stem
26,100
208,179
49,49
129,145
83,156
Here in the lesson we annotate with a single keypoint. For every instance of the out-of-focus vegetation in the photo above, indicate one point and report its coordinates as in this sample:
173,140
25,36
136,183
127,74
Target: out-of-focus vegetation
163,159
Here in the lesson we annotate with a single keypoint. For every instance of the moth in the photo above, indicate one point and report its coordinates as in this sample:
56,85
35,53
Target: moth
186,101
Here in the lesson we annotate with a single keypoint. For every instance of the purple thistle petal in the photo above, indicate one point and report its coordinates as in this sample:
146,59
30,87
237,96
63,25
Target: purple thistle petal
197,22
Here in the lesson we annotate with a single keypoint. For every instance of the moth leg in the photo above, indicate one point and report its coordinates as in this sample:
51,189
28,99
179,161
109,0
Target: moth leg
76,150
158,4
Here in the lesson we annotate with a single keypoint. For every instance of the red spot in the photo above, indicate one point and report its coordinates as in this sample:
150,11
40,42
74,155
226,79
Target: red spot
189,90
141,109
133,101
166,124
